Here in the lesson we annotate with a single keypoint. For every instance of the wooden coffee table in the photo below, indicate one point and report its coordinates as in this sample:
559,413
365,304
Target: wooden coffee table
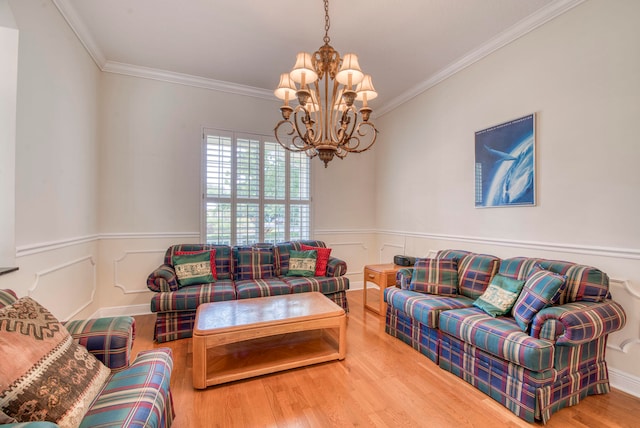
238,339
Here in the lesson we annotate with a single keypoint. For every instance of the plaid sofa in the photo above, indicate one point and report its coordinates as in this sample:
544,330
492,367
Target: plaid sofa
242,272
136,394
556,362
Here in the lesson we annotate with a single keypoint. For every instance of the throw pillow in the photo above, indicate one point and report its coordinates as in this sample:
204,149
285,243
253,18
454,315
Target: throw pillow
302,263
500,295
254,262
541,289
323,258
435,276
45,375
212,257
193,269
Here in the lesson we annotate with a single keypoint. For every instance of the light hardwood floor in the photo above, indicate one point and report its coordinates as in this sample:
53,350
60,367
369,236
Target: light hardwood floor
381,383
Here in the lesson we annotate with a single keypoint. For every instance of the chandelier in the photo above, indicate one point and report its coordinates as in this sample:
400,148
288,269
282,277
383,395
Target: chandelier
326,122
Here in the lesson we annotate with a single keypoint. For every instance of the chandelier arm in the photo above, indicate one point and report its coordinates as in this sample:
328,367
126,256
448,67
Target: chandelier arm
355,148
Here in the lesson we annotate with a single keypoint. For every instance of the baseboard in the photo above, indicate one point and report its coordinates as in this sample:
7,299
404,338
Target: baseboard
119,311
624,382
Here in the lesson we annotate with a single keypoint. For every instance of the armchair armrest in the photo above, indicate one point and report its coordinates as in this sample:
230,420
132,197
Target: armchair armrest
109,339
578,322
403,277
336,267
163,279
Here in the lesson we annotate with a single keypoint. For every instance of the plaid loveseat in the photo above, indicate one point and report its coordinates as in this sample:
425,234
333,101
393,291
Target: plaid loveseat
135,394
242,272
555,362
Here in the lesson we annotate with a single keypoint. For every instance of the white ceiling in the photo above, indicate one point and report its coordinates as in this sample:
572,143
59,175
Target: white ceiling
243,45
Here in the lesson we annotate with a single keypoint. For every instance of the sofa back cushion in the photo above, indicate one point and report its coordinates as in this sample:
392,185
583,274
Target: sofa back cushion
222,259
281,253
474,271
583,282
253,262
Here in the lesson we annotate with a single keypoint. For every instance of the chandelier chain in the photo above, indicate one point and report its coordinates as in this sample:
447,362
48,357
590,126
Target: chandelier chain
326,22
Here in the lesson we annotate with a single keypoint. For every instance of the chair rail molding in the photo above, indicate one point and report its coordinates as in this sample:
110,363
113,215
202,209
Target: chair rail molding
591,250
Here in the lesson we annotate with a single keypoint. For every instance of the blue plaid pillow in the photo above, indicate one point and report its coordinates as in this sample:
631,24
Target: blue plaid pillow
541,289
435,276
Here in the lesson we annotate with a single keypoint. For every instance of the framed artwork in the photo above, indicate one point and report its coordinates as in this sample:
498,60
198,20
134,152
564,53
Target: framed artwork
506,164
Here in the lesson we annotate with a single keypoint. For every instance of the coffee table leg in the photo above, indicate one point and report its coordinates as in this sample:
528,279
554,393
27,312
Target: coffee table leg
342,343
199,363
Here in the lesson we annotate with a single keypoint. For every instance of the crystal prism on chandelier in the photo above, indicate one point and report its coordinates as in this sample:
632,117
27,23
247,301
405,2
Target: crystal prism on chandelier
326,122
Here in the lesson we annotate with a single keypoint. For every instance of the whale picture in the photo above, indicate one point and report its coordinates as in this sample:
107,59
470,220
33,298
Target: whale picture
505,164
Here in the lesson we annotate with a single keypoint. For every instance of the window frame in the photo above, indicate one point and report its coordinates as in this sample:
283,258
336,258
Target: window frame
262,201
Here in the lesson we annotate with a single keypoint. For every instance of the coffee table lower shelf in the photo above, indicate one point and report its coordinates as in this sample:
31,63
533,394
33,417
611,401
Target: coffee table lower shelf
242,360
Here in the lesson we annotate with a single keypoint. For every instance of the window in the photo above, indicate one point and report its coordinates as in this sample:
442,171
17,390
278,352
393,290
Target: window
254,190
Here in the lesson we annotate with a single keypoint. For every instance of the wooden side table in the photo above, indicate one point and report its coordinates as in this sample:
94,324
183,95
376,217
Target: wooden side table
383,276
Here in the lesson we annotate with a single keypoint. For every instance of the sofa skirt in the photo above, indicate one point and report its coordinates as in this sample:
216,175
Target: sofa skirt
530,395
422,338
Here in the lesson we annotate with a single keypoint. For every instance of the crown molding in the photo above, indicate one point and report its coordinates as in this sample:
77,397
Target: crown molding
187,80
70,15
518,30
513,33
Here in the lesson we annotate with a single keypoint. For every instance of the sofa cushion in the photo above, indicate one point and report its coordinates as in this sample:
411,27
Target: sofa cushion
323,258
542,288
302,263
435,276
498,336
500,295
188,298
261,288
223,256
424,308
252,262
323,284
193,269
44,374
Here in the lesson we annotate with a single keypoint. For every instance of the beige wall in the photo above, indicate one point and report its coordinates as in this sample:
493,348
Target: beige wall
56,164
8,89
579,74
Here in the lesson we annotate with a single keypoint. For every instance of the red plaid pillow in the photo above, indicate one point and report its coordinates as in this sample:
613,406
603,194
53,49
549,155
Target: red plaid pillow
212,257
322,260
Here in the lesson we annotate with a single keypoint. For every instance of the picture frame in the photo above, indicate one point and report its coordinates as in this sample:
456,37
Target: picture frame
505,164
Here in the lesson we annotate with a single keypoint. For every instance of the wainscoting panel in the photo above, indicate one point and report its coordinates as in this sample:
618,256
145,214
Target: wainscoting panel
131,270
66,289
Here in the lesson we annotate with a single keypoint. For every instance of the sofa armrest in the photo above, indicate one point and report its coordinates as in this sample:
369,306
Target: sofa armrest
336,267
403,278
163,279
578,322
109,339
138,396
